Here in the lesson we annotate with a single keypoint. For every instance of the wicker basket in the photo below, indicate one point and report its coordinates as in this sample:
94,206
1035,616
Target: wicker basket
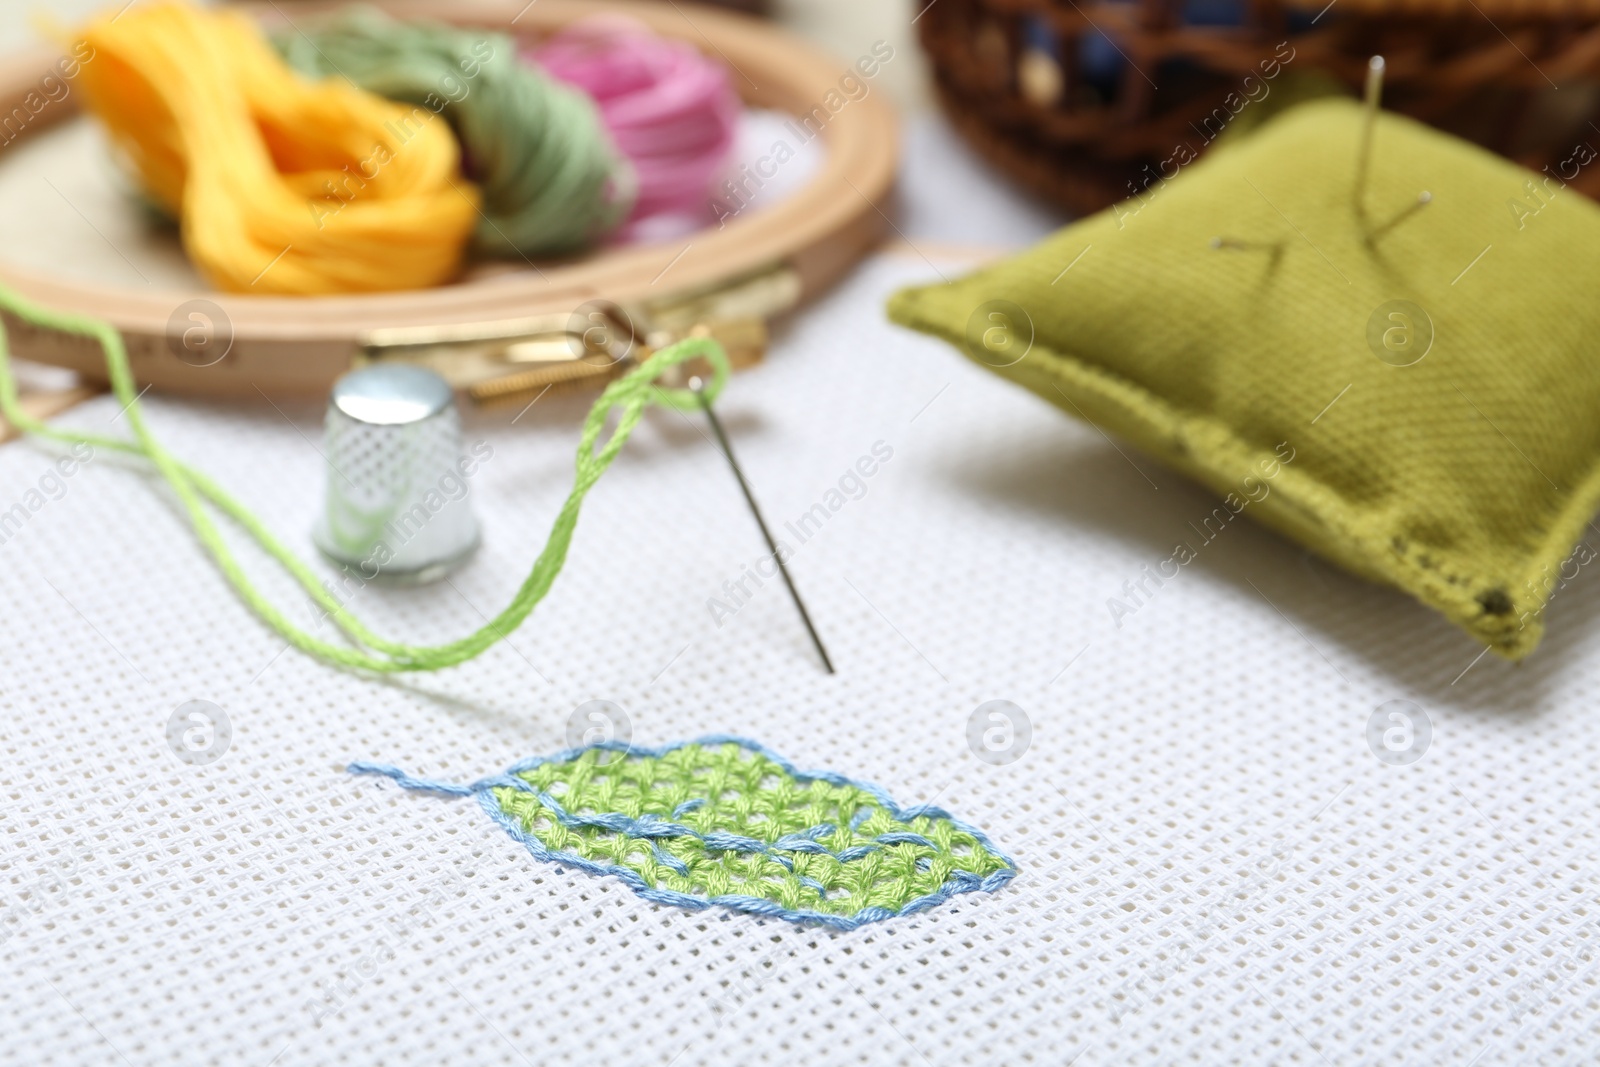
1084,100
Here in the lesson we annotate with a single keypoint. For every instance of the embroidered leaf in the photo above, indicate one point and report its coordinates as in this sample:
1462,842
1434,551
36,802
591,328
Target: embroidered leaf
723,821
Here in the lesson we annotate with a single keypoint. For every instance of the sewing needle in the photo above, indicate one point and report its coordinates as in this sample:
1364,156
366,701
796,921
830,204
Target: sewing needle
698,386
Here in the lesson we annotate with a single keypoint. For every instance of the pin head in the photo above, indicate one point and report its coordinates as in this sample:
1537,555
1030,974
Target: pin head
1373,90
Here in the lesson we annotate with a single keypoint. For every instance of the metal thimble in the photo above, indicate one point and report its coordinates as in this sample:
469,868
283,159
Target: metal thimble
397,500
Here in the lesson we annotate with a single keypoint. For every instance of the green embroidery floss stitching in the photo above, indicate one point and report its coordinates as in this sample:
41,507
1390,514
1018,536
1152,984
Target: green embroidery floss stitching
723,821
631,393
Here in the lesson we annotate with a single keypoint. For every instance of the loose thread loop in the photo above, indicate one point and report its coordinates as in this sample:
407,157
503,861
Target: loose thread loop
631,393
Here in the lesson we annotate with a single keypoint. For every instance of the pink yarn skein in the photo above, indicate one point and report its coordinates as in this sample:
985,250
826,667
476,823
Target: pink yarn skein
671,110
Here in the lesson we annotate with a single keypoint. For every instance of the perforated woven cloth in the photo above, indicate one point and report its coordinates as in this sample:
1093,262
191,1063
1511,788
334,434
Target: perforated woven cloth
1213,865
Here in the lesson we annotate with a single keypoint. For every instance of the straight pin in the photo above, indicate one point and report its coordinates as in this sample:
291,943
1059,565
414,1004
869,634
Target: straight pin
1424,198
1370,98
698,385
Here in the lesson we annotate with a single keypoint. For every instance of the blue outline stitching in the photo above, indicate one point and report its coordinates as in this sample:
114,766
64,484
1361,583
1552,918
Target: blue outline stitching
959,882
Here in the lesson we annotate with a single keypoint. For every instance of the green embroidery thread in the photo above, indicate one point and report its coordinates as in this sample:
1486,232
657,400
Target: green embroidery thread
723,821
630,394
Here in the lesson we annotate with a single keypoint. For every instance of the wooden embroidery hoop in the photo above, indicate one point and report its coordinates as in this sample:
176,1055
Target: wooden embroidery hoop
758,263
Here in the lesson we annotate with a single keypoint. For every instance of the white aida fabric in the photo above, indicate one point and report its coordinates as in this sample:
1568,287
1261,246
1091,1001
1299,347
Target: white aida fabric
1214,867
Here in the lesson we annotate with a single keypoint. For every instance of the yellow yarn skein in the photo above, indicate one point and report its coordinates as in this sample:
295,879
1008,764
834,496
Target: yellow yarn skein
280,185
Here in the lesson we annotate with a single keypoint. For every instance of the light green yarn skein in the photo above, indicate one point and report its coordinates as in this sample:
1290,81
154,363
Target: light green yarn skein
553,182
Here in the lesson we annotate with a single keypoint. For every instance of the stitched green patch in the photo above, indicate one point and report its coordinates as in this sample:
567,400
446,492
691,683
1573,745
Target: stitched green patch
726,821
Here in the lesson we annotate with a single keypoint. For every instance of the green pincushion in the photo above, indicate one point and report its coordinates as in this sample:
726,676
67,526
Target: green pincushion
1436,383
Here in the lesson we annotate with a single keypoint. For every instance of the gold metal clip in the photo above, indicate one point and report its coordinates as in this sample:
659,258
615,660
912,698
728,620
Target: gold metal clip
596,342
